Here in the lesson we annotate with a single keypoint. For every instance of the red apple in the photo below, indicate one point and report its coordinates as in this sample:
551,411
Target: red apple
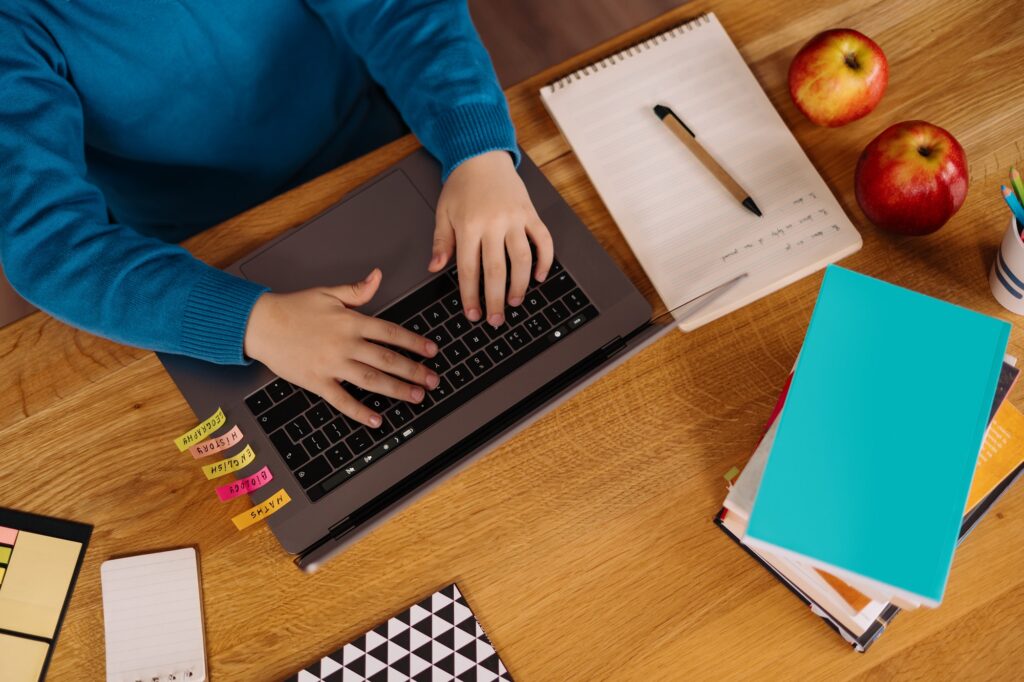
912,178
838,77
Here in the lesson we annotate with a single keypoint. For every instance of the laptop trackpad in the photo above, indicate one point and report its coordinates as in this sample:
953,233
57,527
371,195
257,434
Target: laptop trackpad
387,225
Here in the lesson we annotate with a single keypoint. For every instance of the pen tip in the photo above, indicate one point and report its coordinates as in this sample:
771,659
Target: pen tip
661,110
752,207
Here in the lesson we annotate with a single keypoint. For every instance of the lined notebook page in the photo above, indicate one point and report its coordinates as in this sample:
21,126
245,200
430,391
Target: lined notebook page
687,231
153,619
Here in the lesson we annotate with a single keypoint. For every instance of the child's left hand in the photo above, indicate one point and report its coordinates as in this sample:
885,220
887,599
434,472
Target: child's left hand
483,211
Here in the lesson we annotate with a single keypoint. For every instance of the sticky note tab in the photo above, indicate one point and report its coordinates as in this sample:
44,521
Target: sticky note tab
200,432
261,510
21,658
5,555
731,474
230,491
8,535
216,444
233,463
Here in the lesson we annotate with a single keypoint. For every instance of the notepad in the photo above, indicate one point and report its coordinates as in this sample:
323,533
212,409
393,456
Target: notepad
891,392
40,558
689,234
153,618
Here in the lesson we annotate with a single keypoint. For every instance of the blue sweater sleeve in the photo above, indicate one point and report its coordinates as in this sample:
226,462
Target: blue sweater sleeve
57,245
429,59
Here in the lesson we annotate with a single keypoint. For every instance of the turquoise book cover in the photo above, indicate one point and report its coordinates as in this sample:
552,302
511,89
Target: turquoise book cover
878,440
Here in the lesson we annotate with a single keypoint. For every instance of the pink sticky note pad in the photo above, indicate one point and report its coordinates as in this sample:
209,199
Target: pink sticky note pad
230,491
8,535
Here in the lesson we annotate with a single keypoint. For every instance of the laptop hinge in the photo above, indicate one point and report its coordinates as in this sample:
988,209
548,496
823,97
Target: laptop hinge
614,346
335,532
341,528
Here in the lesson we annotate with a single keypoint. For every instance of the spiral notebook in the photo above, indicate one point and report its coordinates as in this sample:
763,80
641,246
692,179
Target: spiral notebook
153,618
686,230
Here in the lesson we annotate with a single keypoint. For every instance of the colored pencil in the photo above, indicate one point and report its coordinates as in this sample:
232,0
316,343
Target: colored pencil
1018,185
1014,203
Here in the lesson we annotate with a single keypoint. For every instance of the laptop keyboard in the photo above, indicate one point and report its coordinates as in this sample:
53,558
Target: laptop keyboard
325,449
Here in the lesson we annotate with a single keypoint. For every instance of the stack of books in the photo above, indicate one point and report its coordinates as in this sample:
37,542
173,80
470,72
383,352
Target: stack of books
889,443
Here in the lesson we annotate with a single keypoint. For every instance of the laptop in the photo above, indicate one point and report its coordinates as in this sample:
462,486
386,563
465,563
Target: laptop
345,479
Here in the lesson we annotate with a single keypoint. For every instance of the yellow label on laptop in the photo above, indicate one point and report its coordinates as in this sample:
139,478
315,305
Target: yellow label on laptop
226,466
201,432
262,510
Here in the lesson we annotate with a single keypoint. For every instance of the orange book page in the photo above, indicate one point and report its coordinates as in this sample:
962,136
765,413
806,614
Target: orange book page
1001,452
849,594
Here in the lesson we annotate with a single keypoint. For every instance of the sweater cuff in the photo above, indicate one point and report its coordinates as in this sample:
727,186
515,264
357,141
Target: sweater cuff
470,130
216,315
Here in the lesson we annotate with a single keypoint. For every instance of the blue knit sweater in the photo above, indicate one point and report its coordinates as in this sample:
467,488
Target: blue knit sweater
127,126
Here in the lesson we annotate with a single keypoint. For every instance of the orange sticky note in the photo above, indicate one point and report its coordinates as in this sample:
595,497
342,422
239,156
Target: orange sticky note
262,510
216,444
201,431
233,463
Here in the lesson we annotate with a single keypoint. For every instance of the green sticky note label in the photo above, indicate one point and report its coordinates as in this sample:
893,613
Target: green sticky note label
5,555
731,474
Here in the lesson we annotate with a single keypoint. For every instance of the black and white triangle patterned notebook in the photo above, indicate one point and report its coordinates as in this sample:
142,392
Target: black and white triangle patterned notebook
434,640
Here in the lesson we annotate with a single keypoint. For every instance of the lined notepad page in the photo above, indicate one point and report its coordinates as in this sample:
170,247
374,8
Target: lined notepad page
687,231
153,618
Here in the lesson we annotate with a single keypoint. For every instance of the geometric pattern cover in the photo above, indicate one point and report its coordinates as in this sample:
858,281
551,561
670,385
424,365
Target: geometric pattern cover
438,639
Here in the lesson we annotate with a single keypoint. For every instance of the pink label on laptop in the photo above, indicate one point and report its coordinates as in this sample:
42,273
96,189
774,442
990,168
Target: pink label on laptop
214,445
230,491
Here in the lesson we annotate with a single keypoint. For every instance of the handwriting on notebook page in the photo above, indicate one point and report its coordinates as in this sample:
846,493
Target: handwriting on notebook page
811,223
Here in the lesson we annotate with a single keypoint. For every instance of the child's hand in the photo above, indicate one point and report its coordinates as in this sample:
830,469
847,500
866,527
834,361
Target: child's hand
484,209
314,339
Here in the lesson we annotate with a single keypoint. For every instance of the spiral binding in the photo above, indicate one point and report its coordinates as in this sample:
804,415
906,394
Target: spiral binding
630,51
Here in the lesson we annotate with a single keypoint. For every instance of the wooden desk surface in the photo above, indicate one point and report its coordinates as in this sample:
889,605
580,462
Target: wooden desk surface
585,544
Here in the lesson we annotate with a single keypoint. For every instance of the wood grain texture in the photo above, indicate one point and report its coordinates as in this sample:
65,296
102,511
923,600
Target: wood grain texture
585,544
526,36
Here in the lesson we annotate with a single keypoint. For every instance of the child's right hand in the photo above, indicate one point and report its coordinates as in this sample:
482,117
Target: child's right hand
313,339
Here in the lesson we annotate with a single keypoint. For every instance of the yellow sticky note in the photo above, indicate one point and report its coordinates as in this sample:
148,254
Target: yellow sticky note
21,658
261,510
200,432
35,584
226,466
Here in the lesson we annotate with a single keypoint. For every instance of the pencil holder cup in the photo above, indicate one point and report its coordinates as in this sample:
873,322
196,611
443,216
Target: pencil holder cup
1007,276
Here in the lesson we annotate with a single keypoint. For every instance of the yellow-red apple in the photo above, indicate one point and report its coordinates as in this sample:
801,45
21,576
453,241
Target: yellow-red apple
838,77
912,178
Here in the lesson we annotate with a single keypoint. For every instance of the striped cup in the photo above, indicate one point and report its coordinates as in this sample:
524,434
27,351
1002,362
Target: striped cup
1007,276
